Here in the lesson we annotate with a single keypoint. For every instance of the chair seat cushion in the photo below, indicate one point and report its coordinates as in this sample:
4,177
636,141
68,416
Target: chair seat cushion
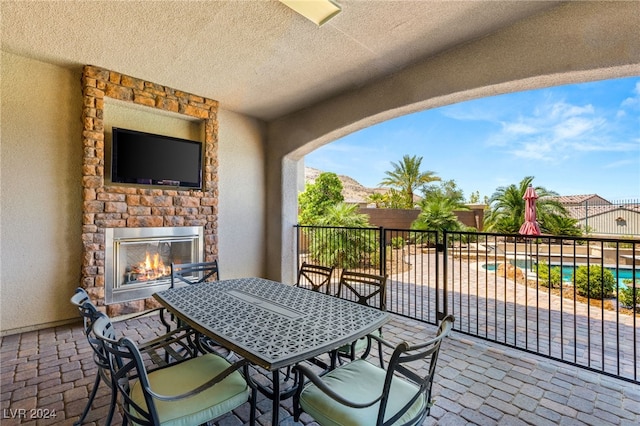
179,378
359,382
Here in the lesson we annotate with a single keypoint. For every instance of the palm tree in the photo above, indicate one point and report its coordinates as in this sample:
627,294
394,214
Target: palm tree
438,215
562,225
395,199
377,199
407,177
341,245
506,207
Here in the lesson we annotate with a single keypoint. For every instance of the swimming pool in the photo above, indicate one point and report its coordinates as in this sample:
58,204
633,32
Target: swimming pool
567,271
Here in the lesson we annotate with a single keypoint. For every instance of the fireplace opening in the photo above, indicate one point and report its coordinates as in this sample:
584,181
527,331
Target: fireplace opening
138,260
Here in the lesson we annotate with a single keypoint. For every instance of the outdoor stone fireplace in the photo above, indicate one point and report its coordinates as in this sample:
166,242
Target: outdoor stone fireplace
109,209
138,260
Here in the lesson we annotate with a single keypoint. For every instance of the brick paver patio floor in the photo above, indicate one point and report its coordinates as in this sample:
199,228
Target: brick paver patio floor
477,383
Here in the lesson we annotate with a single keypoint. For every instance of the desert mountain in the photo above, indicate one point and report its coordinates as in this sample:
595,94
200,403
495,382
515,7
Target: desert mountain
352,190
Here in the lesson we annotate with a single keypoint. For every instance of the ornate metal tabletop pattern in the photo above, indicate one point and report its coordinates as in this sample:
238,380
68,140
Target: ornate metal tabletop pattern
274,323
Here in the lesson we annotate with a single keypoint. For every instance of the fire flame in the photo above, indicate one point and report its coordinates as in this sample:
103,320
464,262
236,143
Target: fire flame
151,269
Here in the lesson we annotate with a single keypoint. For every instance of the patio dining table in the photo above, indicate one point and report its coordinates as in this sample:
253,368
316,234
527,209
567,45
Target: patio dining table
271,324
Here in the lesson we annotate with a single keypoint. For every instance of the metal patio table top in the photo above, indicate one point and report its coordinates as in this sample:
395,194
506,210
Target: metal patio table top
271,324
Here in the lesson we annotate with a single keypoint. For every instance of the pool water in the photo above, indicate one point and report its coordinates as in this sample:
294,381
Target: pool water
567,272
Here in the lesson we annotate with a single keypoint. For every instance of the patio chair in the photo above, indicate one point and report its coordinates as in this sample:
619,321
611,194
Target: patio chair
315,277
362,394
368,290
189,392
167,343
194,273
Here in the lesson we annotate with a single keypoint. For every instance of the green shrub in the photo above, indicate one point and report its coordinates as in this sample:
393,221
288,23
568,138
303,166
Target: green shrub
397,242
344,247
340,242
594,282
318,197
626,295
549,276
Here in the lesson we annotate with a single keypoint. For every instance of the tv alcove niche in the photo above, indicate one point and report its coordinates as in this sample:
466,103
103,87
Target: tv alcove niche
153,159
109,205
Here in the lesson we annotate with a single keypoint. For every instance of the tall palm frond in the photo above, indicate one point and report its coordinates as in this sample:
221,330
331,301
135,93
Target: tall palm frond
407,177
342,214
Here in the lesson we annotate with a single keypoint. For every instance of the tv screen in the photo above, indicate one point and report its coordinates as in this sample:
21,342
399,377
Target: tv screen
145,158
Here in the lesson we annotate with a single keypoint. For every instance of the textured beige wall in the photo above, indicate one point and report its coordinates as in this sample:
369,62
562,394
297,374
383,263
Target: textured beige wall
241,210
41,190
41,200
607,223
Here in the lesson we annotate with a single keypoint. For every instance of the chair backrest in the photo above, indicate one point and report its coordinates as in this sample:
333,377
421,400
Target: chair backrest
79,298
315,277
126,366
90,313
193,273
365,289
404,354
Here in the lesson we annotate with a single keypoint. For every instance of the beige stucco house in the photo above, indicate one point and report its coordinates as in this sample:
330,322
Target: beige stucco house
611,220
602,217
262,87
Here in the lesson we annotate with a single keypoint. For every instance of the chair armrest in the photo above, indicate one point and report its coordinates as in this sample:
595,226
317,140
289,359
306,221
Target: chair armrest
178,344
371,338
303,371
379,339
212,382
174,336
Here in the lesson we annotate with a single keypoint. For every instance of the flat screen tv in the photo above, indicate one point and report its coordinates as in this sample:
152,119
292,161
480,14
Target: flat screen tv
148,159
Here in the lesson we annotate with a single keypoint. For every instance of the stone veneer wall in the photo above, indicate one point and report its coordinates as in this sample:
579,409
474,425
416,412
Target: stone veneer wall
115,206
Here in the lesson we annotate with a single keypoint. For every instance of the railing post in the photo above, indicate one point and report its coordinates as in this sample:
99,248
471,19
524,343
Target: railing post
383,251
298,230
441,261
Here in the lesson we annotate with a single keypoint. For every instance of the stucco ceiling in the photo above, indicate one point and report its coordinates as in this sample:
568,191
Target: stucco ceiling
256,57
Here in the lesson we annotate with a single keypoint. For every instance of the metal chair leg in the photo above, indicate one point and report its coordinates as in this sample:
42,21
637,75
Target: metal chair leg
112,407
94,391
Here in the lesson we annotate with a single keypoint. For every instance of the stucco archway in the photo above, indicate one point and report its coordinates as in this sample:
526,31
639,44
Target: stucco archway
570,44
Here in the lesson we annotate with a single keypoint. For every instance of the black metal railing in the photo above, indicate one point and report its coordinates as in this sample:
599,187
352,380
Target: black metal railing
576,300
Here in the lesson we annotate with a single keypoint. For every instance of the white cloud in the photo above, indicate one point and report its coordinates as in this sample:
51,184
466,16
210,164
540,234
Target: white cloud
539,151
566,111
555,130
634,100
621,163
574,127
518,128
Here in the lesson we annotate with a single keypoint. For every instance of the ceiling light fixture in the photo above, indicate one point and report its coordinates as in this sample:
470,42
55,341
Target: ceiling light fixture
317,11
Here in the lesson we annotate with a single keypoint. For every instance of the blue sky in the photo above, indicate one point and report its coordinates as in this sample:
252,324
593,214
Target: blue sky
574,139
